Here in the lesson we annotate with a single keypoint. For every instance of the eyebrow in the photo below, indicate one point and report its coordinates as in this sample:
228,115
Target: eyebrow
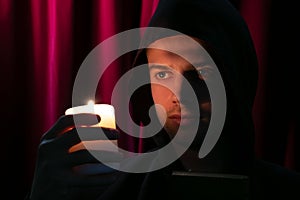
166,68
161,67
200,64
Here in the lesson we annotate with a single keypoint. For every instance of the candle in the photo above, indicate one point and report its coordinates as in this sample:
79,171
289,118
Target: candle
107,115
105,111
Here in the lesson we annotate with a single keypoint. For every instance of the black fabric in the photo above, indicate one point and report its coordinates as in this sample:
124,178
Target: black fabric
272,181
219,24
223,30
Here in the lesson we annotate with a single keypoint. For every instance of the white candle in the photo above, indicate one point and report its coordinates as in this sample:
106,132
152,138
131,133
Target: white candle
107,115
105,111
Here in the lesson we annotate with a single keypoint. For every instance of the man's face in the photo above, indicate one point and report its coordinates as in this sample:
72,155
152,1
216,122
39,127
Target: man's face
167,71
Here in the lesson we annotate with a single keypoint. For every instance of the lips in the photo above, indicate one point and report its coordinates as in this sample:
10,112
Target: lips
182,119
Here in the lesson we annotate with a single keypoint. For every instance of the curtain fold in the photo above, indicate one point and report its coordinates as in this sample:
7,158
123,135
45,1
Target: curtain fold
258,26
51,23
147,10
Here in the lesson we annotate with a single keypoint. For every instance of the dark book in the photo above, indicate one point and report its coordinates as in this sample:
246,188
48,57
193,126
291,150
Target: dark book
191,185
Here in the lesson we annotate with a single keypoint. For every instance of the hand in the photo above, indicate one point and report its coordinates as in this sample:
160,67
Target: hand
63,173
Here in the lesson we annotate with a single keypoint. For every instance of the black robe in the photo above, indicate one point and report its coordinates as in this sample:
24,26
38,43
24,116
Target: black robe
230,171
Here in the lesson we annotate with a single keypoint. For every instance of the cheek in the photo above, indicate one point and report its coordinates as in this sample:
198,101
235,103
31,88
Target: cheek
160,94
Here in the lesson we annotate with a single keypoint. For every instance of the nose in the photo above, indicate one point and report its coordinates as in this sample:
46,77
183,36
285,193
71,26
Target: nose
177,88
175,99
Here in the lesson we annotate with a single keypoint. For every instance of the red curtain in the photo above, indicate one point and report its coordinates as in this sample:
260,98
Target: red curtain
43,43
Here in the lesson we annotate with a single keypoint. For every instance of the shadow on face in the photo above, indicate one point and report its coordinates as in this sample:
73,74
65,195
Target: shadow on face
176,64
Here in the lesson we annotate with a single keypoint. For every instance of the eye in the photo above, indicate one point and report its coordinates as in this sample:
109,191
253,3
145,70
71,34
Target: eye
162,75
205,72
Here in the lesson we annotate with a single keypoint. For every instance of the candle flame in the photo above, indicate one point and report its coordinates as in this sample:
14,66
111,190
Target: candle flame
91,102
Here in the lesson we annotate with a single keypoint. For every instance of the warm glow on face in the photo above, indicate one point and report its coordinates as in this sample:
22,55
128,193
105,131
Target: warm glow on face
167,70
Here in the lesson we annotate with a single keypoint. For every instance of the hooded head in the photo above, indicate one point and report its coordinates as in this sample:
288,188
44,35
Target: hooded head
218,27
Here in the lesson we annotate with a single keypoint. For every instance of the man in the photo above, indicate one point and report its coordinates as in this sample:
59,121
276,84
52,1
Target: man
175,65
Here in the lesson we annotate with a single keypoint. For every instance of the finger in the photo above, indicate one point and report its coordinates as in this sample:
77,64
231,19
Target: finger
71,176
67,140
61,143
66,122
97,133
91,156
93,138
95,168
88,138
99,179
99,145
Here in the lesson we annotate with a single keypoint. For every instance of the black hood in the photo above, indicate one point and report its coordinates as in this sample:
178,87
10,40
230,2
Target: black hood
221,26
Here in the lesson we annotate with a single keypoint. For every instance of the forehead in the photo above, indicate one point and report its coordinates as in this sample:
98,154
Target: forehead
177,46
